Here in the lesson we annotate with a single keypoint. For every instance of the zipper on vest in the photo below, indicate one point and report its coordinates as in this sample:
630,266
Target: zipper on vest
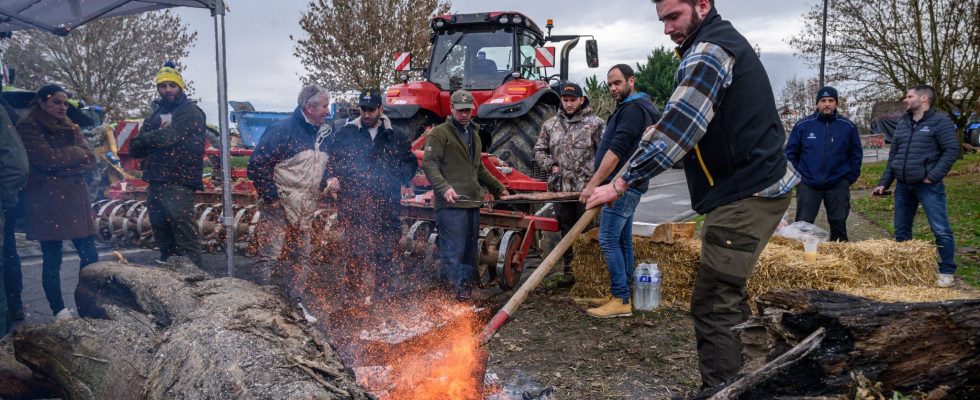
697,152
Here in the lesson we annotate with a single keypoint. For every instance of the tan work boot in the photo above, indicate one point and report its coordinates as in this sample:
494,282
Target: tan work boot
598,301
612,308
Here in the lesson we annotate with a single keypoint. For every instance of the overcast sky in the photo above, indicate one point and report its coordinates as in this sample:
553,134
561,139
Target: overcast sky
263,70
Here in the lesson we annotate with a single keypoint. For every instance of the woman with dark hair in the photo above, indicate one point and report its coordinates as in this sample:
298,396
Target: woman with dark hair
56,203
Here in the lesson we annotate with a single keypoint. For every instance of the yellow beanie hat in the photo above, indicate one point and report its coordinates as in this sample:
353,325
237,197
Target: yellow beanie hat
169,73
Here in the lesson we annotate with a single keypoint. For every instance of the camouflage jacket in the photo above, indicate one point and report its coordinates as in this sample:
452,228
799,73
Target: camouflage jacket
571,144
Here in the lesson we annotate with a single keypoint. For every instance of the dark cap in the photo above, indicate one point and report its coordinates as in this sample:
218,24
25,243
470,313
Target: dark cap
571,89
370,98
462,100
827,91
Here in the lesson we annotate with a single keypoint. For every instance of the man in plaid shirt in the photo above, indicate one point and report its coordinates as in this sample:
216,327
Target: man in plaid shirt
722,121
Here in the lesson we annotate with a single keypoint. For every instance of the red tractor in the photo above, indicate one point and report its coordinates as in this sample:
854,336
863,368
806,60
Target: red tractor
500,58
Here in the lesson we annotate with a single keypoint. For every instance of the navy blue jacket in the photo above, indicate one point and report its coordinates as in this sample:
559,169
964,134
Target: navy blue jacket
924,149
825,149
624,130
281,141
371,172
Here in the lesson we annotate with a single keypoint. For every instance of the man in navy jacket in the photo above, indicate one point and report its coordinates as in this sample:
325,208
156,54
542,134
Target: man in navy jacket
825,149
923,151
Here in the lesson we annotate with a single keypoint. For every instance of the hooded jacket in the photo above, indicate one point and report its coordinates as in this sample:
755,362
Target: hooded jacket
924,149
371,171
174,154
624,131
289,165
570,142
825,149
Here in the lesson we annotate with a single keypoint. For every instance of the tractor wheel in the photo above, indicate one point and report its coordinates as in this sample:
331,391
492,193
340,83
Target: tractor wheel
513,140
410,127
975,137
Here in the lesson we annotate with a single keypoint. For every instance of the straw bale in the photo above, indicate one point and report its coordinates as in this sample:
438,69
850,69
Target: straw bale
910,294
872,266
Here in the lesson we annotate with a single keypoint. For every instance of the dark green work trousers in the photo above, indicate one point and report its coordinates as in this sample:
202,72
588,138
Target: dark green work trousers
171,209
732,237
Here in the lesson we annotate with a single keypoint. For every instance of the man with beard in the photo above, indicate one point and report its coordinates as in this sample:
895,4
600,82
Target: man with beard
566,147
171,144
372,163
633,114
722,121
923,151
826,149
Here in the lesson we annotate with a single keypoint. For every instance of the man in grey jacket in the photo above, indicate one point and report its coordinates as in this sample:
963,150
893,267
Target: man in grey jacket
922,153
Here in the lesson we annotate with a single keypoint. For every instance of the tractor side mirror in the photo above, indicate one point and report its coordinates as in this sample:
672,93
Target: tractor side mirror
592,53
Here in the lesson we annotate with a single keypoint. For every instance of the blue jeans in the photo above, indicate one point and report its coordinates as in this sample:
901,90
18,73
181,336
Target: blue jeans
459,234
933,200
616,242
51,266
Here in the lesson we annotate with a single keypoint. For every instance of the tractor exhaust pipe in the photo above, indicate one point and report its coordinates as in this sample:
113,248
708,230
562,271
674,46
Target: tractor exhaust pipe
565,49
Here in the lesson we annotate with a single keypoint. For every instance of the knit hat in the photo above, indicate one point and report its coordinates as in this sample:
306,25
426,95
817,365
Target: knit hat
169,73
827,91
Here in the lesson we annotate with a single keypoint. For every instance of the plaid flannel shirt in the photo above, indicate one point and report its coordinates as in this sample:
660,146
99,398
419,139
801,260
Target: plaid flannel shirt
705,72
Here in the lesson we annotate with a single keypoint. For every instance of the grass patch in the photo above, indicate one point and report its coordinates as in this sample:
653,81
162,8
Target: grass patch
962,195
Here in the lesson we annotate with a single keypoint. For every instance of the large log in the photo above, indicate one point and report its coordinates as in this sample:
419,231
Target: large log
152,333
907,347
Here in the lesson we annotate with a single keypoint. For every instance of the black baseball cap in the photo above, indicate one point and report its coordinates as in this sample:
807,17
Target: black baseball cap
370,98
571,89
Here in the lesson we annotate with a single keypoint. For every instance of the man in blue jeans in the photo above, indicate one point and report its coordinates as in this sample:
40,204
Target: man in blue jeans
633,114
922,153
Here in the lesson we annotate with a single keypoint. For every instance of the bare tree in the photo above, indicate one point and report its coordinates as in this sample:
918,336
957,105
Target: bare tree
110,62
351,43
887,46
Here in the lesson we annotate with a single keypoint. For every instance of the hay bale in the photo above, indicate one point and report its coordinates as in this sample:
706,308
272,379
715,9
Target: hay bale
910,294
784,268
677,263
871,266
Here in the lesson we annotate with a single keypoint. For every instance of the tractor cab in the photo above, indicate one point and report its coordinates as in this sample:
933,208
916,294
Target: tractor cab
480,55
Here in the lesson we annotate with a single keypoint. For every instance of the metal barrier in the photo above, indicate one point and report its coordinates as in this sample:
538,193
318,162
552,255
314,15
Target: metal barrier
874,142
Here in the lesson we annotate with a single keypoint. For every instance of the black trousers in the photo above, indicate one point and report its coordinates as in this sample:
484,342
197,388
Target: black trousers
171,209
568,214
836,201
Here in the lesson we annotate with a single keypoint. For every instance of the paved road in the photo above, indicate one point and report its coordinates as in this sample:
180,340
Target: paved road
666,200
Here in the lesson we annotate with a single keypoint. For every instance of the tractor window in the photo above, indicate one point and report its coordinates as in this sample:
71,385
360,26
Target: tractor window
527,43
472,59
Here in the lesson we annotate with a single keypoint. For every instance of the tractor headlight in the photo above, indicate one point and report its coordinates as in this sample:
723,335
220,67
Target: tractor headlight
518,19
504,20
440,23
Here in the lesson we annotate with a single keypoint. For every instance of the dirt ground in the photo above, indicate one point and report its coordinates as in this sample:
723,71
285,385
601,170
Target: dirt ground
551,342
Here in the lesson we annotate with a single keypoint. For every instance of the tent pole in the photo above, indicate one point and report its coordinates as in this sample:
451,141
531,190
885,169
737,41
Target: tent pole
228,214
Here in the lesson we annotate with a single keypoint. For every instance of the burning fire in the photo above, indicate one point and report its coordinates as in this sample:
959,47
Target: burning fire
450,369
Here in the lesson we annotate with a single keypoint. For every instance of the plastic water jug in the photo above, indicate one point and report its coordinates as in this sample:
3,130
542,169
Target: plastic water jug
643,286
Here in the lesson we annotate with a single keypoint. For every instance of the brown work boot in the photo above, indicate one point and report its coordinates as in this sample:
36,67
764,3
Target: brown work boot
613,308
598,301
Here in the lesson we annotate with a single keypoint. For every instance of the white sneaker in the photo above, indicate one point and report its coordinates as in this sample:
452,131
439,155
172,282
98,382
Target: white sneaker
945,280
306,314
64,314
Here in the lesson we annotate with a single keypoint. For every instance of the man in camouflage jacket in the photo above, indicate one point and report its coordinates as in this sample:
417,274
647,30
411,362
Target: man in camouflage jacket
566,148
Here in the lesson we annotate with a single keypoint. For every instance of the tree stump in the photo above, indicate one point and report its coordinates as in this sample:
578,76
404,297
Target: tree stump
153,333
907,347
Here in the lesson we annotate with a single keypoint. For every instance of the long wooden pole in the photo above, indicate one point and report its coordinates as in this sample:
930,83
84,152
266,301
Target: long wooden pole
535,279
549,262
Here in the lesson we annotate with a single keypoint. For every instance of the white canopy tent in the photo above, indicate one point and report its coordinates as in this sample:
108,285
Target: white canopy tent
60,17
